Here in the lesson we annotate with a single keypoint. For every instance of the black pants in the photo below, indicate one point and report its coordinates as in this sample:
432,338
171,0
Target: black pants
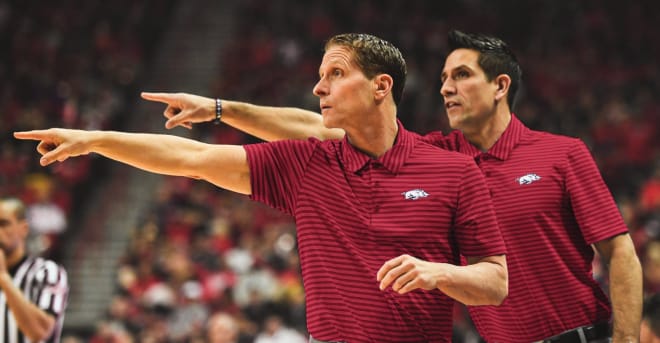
597,333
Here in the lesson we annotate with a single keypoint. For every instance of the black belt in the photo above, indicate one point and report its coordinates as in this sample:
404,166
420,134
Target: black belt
582,334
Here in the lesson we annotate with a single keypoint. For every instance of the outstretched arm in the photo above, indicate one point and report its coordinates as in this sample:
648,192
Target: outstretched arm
483,282
223,165
625,286
267,123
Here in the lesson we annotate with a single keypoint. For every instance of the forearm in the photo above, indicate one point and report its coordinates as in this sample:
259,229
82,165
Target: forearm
225,166
32,321
481,283
626,295
276,123
162,154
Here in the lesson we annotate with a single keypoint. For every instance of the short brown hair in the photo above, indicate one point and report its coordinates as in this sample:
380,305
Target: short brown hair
375,56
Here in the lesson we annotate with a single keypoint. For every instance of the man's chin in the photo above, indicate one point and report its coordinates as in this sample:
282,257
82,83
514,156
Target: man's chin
330,124
455,122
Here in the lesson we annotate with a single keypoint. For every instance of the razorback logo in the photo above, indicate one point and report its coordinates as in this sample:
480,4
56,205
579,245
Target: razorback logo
527,179
415,194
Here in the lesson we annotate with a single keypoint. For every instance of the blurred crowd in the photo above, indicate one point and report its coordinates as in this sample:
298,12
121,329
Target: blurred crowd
70,64
590,71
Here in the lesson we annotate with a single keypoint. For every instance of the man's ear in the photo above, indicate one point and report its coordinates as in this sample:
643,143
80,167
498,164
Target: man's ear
382,86
503,83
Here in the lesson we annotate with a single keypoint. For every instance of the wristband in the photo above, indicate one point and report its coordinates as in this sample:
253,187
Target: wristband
218,111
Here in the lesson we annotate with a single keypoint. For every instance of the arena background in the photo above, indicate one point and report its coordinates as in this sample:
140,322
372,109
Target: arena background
150,257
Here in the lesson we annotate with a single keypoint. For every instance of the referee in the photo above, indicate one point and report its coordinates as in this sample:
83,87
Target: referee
33,290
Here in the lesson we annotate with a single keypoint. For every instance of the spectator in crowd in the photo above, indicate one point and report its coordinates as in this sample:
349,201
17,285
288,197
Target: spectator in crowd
222,328
275,331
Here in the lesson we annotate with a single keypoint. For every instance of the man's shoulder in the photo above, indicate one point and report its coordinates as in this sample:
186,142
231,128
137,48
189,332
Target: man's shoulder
437,135
439,154
285,145
552,140
43,263
40,269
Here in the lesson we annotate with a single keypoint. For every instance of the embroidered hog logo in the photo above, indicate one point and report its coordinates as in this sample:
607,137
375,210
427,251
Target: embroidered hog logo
527,179
415,194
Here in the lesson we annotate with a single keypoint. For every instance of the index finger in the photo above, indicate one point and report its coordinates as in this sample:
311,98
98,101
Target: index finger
386,267
33,135
165,98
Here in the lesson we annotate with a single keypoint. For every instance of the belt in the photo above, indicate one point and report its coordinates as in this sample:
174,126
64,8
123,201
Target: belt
583,334
314,340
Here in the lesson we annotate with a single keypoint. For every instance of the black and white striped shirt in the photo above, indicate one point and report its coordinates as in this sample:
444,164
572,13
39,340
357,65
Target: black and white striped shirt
45,284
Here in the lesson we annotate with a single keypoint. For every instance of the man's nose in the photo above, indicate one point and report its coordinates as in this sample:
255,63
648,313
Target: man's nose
448,87
320,88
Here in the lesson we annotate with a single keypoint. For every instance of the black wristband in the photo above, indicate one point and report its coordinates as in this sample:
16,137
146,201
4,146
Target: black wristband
218,111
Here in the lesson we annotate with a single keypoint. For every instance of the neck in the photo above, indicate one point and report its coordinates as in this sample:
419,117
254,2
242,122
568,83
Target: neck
484,136
376,135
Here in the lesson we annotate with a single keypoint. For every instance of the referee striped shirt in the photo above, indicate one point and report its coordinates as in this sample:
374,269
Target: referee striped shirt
44,283
353,213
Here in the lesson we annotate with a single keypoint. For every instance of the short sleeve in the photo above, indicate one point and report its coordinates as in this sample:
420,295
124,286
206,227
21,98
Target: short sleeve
50,288
593,206
277,170
476,226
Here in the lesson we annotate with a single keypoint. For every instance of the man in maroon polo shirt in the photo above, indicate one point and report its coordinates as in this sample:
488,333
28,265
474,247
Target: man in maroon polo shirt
549,196
382,217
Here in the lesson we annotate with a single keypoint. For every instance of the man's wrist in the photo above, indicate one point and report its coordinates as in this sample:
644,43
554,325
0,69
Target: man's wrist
217,111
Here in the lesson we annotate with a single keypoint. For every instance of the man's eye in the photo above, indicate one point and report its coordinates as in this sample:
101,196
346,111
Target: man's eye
462,75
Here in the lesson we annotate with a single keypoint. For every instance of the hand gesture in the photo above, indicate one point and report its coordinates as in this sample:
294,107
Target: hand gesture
58,144
406,273
184,109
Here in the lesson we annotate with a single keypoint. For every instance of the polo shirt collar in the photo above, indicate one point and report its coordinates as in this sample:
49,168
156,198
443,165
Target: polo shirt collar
503,147
392,160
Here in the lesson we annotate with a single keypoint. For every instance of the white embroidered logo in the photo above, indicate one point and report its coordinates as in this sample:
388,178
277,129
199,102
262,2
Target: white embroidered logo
415,194
527,179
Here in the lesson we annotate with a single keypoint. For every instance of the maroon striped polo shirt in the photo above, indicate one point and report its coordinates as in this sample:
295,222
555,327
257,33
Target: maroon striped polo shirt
551,203
353,213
